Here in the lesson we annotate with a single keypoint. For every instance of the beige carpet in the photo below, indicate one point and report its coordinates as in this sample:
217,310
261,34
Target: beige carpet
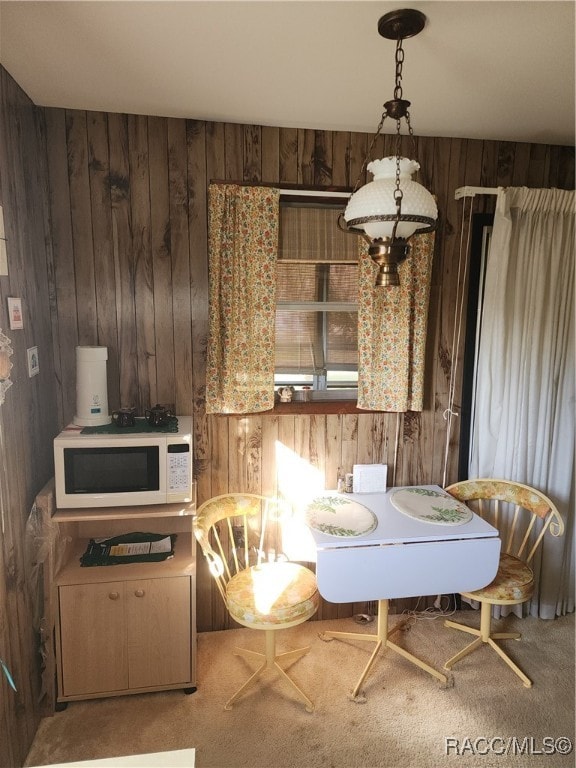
404,723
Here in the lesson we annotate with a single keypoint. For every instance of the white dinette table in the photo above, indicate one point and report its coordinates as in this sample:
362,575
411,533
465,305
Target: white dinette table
406,542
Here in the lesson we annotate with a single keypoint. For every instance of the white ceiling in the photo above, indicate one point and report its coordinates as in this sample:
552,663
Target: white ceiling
493,70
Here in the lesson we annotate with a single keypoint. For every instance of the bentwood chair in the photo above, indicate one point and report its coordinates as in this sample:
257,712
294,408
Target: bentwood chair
523,515
260,589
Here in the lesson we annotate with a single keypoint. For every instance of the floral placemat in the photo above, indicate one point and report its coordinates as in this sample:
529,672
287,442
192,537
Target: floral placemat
429,506
337,515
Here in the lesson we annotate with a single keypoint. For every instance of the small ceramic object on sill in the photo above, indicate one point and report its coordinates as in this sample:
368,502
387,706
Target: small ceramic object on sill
286,394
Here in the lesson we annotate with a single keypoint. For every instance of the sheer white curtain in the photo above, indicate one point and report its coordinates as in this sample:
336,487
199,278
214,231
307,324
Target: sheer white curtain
524,404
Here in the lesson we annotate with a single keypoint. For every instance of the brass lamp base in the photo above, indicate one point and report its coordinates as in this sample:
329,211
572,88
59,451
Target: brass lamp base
388,254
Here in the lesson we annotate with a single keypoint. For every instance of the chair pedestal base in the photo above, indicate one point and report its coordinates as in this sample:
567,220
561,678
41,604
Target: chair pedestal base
270,661
485,636
382,640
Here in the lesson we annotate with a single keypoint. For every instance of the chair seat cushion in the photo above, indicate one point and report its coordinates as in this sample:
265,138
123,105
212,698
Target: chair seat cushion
272,595
514,583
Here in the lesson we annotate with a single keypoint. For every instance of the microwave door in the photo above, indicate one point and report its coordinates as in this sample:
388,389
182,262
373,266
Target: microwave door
111,475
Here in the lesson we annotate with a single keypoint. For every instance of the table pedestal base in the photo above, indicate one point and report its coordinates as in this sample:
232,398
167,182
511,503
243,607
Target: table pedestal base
382,641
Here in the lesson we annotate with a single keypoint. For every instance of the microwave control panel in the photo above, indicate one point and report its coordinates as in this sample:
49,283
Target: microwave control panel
179,467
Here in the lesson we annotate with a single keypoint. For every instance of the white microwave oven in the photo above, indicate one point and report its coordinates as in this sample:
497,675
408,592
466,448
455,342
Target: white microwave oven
123,467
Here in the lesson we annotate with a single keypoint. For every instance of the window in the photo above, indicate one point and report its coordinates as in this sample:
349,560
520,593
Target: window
317,301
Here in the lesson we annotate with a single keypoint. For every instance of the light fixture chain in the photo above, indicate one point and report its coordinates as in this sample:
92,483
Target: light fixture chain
369,152
411,133
399,62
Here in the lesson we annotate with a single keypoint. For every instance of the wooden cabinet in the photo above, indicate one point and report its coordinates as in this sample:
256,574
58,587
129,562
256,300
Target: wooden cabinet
127,628
117,636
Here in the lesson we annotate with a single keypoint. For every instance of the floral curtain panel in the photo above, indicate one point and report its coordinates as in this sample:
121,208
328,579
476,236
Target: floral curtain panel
392,331
243,245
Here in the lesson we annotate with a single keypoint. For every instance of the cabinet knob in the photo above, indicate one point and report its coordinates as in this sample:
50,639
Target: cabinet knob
139,592
114,595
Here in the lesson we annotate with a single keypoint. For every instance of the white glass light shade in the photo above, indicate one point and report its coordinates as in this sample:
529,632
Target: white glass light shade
377,199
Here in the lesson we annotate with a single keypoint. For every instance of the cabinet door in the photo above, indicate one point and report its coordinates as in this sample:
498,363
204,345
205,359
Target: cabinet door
93,638
159,631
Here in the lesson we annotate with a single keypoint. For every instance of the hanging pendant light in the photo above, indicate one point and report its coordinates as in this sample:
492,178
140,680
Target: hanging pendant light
392,208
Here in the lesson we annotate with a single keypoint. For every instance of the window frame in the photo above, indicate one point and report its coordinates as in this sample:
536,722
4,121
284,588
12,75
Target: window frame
321,392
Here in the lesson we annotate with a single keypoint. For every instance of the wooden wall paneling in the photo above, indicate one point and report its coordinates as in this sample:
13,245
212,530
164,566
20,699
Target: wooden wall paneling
123,259
521,164
161,263
253,448
18,231
489,175
233,452
215,166
538,165
288,152
562,160
561,167
142,255
317,446
233,152
46,423
18,652
270,154
413,471
219,454
349,450
323,159
286,457
80,206
358,147
238,439
557,161
252,153
64,314
333,458
104,269
23,195
302,449
341,155
181,267
365,446
28,418
380,437
306,149
38,425
12,752
506,150
269,448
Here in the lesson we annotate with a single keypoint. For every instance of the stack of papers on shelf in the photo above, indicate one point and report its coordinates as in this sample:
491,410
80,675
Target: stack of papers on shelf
129,548
369,478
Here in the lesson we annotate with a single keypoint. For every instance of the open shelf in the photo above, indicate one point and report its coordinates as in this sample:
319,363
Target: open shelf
182,564
143,511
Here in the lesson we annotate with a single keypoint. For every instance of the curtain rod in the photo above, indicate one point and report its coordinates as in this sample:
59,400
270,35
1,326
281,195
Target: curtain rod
293,189
473,191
